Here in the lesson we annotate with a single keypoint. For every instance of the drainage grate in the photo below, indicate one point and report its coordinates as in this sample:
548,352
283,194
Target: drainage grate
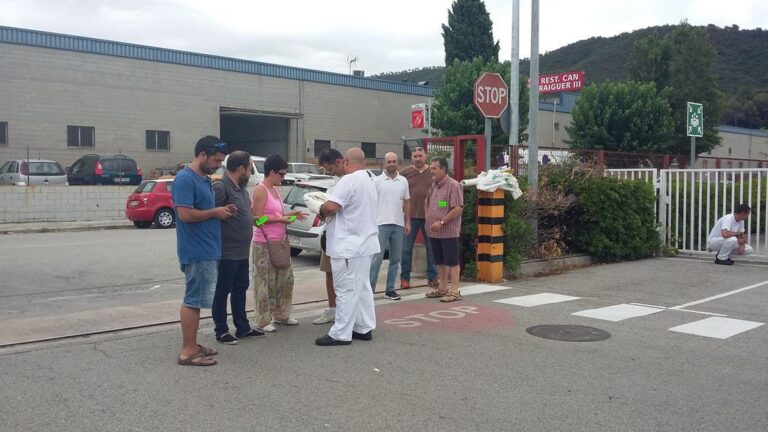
569,333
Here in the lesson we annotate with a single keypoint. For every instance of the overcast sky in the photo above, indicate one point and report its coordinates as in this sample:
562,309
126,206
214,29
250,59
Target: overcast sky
386,36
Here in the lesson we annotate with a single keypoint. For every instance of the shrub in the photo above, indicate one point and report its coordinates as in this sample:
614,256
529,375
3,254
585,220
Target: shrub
615,219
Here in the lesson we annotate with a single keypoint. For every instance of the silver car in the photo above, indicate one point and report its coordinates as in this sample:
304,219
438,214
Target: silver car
305,235
33,172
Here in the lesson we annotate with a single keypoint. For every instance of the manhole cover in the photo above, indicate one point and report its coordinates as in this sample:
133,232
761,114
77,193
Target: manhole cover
569,333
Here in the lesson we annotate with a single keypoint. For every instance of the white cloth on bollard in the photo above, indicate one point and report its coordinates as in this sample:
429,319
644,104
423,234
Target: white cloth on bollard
495,179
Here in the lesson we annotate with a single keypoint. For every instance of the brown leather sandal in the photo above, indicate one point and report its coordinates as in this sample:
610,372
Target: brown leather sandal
451,297
197,359
435,294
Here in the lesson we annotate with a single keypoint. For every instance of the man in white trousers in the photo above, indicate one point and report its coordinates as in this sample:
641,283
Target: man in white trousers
728,237
353,240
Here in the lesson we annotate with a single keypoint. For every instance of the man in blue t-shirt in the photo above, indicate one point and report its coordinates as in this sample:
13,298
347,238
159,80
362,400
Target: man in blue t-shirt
198,243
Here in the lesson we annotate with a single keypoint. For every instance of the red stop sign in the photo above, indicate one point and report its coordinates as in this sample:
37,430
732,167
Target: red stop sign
491,95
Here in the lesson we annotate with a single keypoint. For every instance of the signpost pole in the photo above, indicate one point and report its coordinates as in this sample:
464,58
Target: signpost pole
533,124
693,152
488,135
694,124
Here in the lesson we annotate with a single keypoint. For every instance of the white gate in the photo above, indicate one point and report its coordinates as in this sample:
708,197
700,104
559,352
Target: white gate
690,201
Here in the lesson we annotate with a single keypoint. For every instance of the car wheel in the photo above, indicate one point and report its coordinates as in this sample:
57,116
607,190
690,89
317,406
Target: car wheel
142,224
295,251
164,218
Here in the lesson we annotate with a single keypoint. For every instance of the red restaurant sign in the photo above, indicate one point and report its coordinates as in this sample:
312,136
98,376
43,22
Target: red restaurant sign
417,116
561,82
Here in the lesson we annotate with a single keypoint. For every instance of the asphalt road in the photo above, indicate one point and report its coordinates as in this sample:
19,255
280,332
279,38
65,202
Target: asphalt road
464,366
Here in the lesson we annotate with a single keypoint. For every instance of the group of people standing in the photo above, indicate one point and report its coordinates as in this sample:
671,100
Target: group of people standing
365,216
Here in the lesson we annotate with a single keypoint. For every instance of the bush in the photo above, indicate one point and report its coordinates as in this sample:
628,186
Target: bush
615,219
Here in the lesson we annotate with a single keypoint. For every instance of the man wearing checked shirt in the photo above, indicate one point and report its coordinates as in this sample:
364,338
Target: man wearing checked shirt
443,207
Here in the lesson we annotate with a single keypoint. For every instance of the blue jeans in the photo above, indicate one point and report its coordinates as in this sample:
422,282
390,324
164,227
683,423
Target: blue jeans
410,239
390,237
233,282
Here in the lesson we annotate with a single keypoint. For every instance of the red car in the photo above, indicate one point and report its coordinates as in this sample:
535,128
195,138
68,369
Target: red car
152,201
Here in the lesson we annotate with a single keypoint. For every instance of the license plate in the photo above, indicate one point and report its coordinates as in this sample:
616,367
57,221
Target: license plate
122,179
293,239
134,203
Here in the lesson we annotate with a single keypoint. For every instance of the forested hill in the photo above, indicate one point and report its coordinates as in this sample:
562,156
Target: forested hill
741,66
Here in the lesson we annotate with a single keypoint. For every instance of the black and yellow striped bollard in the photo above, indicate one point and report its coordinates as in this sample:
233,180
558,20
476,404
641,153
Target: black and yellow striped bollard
490,242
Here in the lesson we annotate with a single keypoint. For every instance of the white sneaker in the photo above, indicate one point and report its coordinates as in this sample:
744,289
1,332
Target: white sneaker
326,318
269,328
290,321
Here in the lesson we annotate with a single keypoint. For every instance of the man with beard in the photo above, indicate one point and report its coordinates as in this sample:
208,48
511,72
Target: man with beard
394,220
419,182
198,243
234,276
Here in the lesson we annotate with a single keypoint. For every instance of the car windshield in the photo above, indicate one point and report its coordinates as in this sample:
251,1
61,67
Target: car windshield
146,186
118,164
296,195
304,169
43,168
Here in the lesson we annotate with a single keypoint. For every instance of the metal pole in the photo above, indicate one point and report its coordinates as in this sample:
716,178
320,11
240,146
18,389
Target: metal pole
533,117
514,86
28,165
693,153
429,118
488,135
554,118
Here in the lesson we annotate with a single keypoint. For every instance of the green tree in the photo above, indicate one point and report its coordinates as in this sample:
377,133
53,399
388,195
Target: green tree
469,33
684,62
454,113
628,116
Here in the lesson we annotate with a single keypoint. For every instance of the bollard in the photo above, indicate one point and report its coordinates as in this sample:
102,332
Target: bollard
490,241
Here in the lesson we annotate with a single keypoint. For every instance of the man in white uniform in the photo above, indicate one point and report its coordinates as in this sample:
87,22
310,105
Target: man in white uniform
353,240
728,237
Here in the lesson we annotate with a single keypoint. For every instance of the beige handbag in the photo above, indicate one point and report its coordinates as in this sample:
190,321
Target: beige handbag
279,251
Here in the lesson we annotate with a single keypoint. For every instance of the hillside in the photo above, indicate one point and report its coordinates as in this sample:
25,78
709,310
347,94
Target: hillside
741,66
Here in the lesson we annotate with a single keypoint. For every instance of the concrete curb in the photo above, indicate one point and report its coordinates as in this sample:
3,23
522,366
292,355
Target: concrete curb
48,227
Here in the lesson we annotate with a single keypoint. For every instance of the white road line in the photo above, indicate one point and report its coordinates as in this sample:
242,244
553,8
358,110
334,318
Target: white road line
618,312
701,312
719,296
536,299
649,305
716,327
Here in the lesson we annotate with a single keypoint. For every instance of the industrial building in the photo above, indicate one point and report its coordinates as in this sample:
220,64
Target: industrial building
64,96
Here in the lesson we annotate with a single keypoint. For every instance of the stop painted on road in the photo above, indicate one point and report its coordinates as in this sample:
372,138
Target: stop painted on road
420,317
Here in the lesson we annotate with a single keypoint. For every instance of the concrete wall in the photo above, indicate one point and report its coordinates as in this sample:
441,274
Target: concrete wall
44,90
63,203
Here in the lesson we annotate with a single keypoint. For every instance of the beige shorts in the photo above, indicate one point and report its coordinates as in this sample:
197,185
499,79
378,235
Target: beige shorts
325,262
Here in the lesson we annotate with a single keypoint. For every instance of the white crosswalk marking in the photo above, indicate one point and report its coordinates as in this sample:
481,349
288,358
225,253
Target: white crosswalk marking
717,327
537,299
618,312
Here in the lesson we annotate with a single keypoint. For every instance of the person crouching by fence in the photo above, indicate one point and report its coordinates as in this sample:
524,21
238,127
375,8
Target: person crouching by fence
272,271
728,237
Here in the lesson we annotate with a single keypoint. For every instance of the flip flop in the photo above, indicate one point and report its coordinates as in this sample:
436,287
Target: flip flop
208,352
197,359
451,297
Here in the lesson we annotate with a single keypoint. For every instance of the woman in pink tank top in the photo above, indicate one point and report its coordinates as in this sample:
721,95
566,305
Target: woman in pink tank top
273,288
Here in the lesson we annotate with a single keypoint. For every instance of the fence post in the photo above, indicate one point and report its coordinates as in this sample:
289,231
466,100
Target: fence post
661,199
601,157
490,237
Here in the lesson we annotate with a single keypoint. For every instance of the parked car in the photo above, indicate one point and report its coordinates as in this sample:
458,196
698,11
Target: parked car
32,172
152,201
93,169
300,171
305,235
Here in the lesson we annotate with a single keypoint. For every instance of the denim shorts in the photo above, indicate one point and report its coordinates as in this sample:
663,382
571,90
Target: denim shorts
201,277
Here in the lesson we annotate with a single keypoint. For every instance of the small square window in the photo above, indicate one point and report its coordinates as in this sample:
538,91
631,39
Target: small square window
3,133
81,136
556,126
369,149
321,145
158,140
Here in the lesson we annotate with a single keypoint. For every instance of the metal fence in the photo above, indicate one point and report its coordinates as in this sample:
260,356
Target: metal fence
691,201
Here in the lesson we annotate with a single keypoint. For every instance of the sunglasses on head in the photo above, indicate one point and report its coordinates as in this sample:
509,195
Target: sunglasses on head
217,148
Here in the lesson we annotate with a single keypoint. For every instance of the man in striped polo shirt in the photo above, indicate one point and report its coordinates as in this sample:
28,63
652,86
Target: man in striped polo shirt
443,207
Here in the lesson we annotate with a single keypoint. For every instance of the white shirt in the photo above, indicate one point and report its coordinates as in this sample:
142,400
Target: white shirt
353,232
727,222
392,192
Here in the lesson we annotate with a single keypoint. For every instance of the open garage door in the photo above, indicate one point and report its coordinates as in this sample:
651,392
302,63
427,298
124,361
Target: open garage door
257,132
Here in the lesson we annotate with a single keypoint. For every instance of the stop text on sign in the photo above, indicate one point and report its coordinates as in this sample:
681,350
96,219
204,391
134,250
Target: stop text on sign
493,95
560,82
